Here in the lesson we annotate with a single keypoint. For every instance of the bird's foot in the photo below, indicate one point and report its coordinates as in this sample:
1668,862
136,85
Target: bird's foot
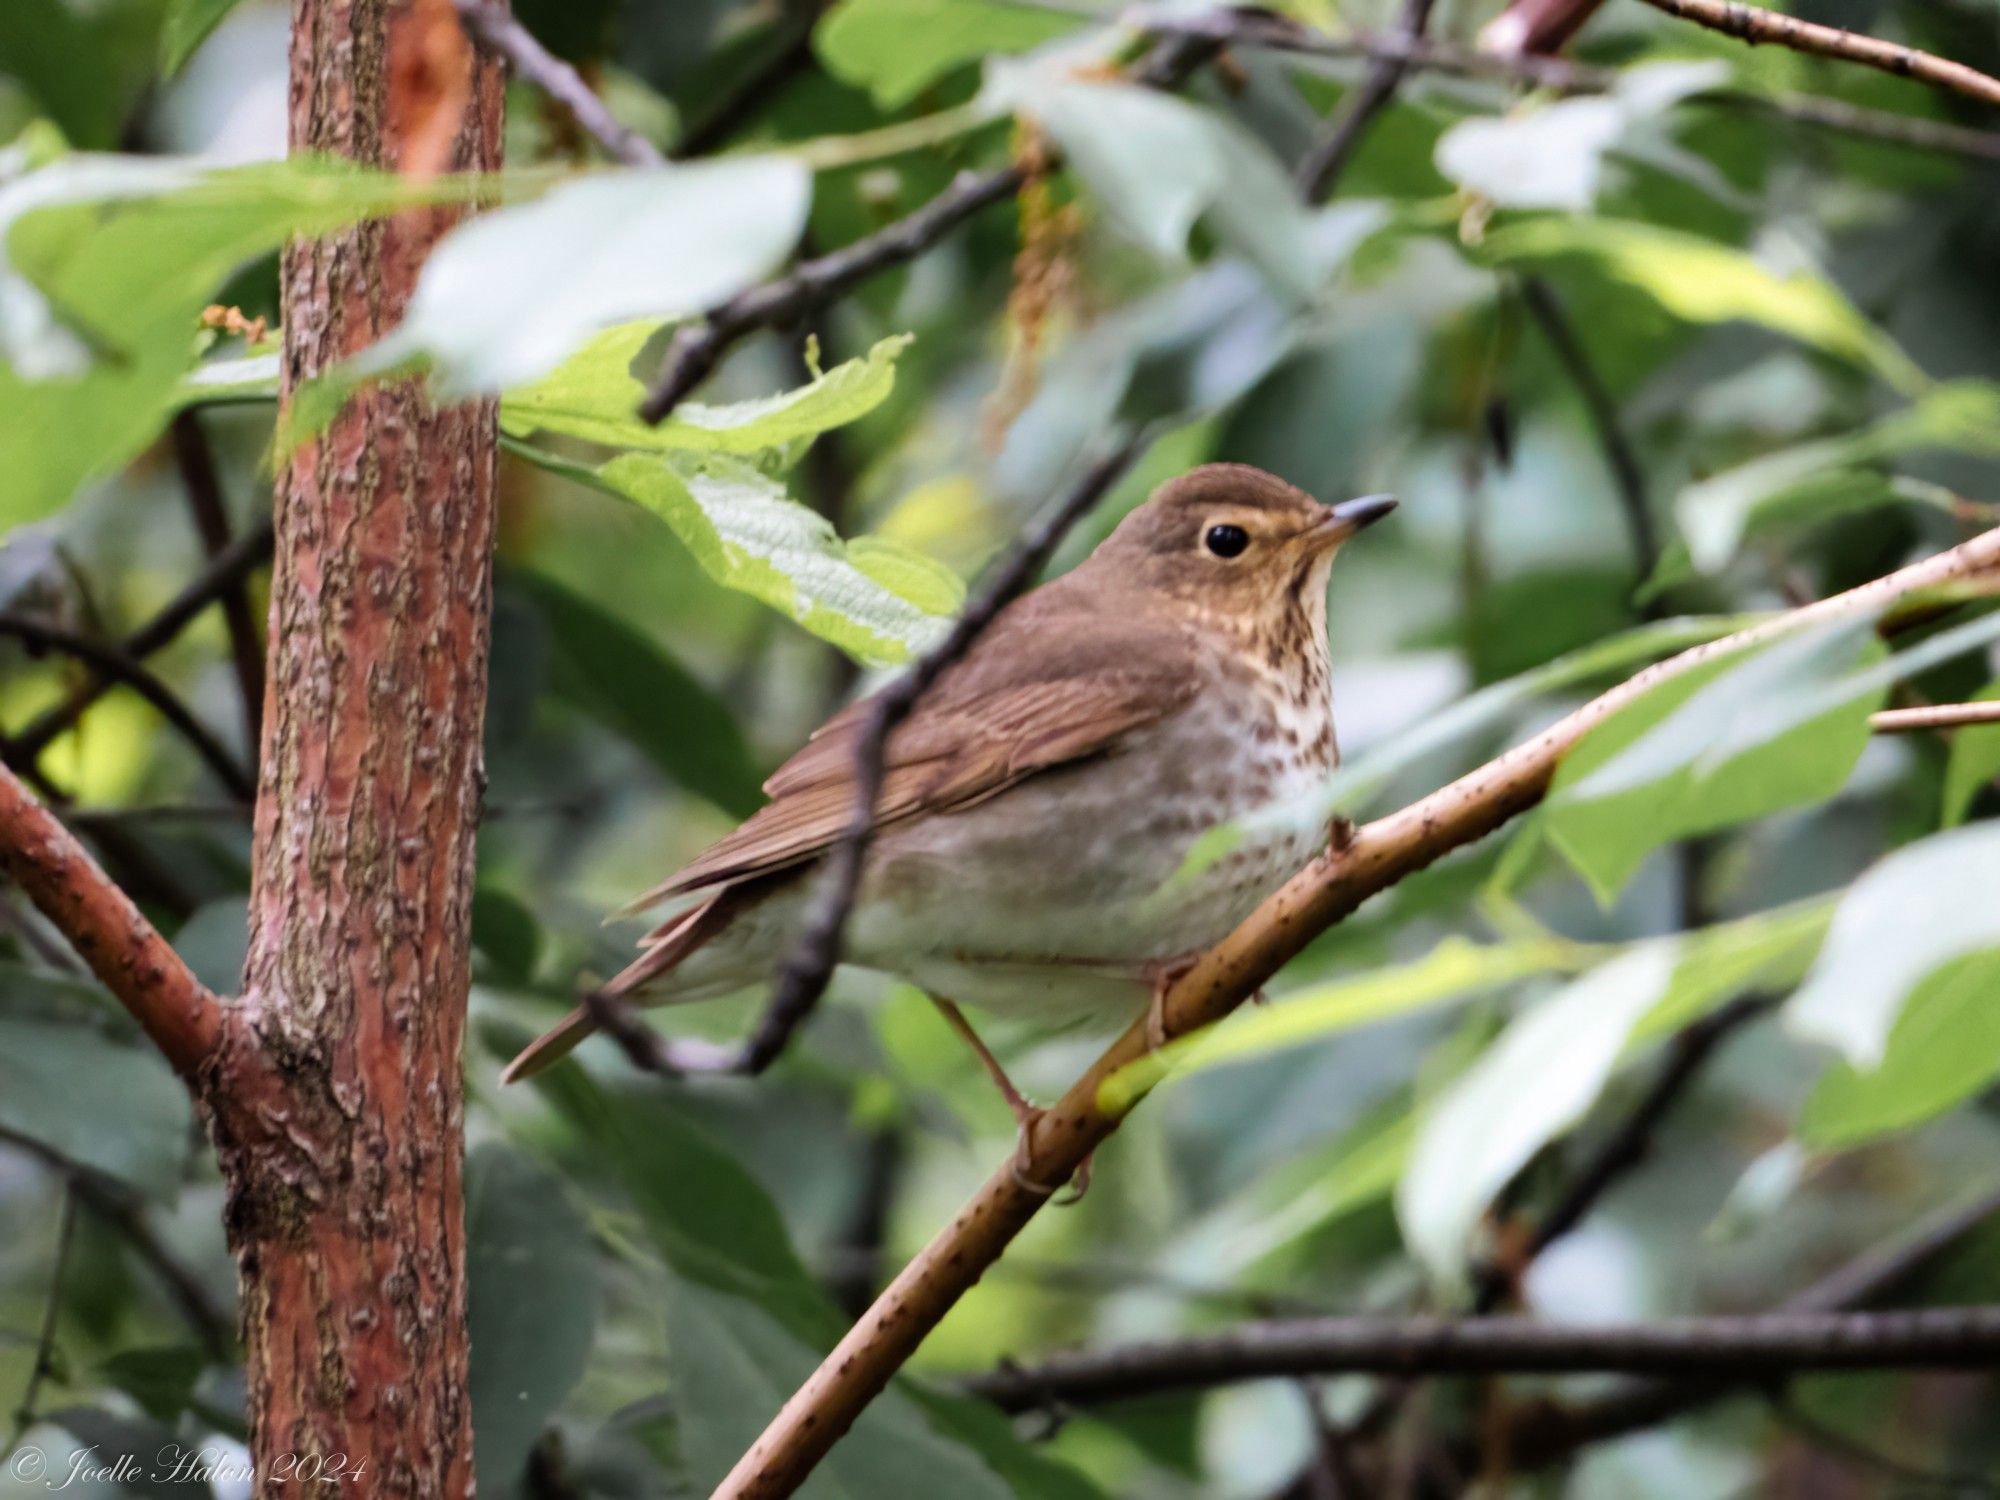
1025,1111
1339,835
1018,1167
1163,976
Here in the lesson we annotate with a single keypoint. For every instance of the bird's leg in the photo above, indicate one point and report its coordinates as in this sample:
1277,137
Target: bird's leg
1025,1111
1339,835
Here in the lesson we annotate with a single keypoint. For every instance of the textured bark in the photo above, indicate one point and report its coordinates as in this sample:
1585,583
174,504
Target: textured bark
336,1097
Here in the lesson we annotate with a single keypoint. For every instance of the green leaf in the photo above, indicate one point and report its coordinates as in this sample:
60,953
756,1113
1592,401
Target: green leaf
897,48
1536,1081
1943,1049
105,263
508,296
110,1105
1819,479
1705,282
1159,163
1454,970
160,1379
1730,740
748,535
187,25
532,1293
505,930
1973,762
1921,908
632,686
594,395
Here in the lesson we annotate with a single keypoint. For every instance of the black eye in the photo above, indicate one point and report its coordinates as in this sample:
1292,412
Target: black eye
1226,541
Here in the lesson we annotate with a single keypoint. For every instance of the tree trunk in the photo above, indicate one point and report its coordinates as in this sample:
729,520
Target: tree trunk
336,1098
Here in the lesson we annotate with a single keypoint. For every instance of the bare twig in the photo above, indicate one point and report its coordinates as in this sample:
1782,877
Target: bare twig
756,88
1376,858
1755,25
117,665
491,27
699,347
1935,716
225,571
1547,311
45,1343
211,519
1771,1343
123,949
803,976
1324,164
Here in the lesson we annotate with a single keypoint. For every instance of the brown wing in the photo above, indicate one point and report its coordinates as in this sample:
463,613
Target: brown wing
1043,687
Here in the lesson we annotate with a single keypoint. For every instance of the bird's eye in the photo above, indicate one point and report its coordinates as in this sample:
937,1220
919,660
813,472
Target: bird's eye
1226,541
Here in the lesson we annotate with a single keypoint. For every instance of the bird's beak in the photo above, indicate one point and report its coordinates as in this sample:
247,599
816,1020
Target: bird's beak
1341,521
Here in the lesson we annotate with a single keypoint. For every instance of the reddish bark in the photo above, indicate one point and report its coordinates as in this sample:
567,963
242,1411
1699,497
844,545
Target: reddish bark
336,1098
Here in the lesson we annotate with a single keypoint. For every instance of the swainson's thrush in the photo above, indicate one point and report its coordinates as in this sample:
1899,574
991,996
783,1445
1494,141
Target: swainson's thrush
1043,794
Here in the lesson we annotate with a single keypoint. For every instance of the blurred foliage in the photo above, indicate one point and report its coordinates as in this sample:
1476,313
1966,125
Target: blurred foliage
1794,330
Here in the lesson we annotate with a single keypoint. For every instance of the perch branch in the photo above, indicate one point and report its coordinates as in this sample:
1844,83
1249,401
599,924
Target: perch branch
123,949
493,28
117,665
1377,857
1756,26
1765,1344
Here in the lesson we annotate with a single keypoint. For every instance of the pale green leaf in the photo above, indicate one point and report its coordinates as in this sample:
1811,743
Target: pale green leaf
594,395
1536,1081
1705,282
897,48
1922,907
1973,763
1943,1048
511,294
186,27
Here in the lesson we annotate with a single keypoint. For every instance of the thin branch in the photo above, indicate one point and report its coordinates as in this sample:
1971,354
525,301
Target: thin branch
1935,716
1535,26
751,93
1756,26
1323,165
211,518
491,27
210,1323
1547,311
123,949
1376,858
815,951
1266,31
1630,1144
1933,1338
699,347
225,571
116,665
45,1344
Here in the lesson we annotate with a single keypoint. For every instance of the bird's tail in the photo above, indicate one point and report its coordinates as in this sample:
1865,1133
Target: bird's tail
664,948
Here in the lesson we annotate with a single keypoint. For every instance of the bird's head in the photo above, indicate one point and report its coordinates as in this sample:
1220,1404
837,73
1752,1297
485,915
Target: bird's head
1229,542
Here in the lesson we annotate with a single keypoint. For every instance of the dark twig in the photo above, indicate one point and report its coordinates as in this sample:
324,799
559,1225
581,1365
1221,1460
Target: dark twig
45,1344
117,665
1743,1347
1324,164
803,976
211,519
751,93
492,28
699,347
115,1208
1547,311
1628,1145
225,571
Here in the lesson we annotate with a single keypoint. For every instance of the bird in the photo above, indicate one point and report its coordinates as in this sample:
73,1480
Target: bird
1041,799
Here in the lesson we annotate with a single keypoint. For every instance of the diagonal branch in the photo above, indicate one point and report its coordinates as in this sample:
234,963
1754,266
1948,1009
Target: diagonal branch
1376,858
196,461
123,949
494,30
1756,26
1936,716
1743,1347
116,665
1323,165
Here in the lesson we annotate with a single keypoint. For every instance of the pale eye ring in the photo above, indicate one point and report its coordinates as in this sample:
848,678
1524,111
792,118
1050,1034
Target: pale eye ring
1226,540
